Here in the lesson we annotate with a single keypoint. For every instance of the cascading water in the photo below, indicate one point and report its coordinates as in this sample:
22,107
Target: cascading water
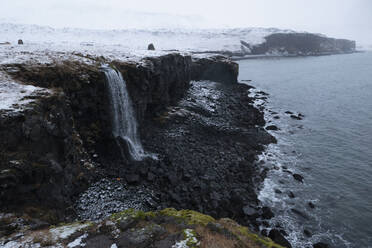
124,123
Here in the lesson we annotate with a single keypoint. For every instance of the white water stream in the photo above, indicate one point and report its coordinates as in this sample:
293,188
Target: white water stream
124,123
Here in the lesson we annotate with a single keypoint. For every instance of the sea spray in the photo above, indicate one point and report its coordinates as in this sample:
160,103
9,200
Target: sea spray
124,123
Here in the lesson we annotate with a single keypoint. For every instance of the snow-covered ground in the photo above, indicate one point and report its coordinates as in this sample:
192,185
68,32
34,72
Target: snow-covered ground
44,44
15,96
130,40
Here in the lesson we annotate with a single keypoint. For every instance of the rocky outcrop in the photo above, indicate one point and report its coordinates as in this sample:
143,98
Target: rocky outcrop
156,83
302,44
220,70
54,149
133,229
206,136
207,146
42,160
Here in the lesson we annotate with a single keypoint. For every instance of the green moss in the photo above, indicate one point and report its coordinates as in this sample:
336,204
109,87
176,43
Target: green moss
189,216
258,239
76,223
135,214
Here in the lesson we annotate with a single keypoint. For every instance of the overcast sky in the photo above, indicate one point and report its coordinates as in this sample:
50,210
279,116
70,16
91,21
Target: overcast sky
338,18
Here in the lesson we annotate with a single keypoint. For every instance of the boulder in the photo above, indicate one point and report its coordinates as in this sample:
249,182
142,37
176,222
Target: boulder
20,42
299,213
272,128
307,233
151,47
296,117
278,238
298,177
320,245
248,210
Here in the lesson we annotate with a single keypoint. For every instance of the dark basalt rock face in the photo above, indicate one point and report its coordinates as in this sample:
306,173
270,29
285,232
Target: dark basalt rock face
220,70
321,245
278,237
54,150
42,159
157,83
303,44
207,146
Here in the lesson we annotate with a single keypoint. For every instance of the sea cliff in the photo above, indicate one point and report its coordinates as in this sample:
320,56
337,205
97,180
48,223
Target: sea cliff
205,137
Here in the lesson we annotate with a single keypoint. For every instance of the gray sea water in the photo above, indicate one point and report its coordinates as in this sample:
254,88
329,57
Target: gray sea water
331,147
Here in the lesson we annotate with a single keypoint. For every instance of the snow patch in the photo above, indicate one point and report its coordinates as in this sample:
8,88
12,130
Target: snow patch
189,239
64,232
13,96
78,241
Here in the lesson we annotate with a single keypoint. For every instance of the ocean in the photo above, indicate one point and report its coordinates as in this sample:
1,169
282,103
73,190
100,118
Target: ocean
331,147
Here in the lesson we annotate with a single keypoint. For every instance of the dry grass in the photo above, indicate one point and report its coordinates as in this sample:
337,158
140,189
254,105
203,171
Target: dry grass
214,240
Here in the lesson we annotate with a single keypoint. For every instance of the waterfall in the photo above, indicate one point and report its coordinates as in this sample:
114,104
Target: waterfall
124,123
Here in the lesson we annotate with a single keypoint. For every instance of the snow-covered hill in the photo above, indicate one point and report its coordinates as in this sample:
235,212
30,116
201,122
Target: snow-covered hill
137,39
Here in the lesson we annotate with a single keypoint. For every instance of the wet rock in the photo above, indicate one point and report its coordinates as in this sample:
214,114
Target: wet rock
296,117
272,128
265,232
132,178
99,241
299,213
262,93
139,238
150,176
38,224
278,237
266,213
298,177
289,113
248,210
321,245
307,233
278,191
291,195
127,223
20,42
151,47
283,232
311,205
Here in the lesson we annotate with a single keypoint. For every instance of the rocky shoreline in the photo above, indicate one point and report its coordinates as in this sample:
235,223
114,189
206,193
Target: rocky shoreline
205,134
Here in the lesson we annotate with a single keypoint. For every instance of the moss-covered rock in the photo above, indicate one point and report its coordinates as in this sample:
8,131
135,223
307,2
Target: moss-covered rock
164,228
188,216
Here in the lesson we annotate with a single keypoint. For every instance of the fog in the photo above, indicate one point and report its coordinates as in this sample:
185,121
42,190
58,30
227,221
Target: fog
350,19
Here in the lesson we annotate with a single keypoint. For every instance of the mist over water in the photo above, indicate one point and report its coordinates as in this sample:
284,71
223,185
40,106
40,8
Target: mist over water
331,147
